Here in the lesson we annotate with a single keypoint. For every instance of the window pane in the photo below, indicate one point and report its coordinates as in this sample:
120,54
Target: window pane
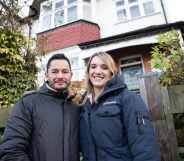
46,21
122,14
74,61
130,75
46,8
132,60
134,11
148,8
71,1
59,18
120,3
59,4
72,14
131,1
76,74
87,12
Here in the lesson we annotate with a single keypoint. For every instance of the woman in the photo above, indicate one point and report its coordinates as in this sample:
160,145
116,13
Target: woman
115,123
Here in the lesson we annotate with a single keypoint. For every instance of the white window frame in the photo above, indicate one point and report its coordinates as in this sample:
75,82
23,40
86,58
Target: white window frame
126,6
79,13
43,14
88,5
58,10
74,62
54,10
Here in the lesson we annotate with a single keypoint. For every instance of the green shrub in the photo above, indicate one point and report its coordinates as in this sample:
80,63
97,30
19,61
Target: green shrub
17,68
168,56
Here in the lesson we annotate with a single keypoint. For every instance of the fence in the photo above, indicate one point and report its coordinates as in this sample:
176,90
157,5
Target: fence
167,108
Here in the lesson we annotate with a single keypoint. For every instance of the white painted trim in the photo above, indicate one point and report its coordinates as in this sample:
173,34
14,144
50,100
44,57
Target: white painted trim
126,43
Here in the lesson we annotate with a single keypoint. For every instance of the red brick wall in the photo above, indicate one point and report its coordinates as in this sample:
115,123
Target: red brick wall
147,62
67,35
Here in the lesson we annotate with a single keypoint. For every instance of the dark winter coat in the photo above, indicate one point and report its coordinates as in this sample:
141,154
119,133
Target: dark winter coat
117,127
43,126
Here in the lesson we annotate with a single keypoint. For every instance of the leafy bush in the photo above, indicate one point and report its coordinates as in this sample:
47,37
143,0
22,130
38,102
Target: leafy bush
17,69
168,56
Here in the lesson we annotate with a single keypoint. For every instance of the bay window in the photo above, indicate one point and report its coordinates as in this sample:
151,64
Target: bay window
54,13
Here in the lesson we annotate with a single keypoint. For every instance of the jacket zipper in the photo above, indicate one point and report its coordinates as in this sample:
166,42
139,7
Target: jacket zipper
92,137
63,138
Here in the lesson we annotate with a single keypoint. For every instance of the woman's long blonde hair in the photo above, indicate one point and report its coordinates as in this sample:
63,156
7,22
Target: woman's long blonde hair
108,60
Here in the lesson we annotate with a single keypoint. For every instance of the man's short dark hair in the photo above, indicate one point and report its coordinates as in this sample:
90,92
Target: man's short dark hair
58,57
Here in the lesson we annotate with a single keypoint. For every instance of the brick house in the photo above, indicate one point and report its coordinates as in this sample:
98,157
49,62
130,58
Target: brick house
127,29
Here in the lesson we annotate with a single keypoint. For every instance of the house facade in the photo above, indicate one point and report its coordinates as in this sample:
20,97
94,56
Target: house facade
126,29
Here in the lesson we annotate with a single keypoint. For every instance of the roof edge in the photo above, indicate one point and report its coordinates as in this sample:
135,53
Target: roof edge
151,30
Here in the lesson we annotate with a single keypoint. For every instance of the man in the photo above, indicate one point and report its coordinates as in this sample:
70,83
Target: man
44,124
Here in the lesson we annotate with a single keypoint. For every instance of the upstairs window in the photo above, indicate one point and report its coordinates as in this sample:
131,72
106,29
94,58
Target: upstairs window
87,10
54,13
46,15
130,9
148,7
72,14
58,12
135,11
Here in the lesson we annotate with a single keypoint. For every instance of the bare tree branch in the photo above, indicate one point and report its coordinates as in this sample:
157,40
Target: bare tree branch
9,14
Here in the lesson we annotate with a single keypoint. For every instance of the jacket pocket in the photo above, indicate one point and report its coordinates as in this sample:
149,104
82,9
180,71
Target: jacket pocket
108,111
143,121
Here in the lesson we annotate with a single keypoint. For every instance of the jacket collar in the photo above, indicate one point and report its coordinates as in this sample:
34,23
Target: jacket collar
47,90
115,84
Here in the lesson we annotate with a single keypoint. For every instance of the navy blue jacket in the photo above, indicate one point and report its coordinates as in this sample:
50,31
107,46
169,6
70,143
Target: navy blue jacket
43,126
117,127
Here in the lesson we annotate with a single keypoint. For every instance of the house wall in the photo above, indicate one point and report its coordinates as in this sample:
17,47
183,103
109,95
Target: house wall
174,10
65,38
107,20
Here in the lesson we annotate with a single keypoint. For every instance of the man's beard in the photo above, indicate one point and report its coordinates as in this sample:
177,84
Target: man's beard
51,84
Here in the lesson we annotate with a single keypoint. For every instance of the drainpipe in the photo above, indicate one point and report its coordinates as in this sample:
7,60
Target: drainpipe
164,12
29,34
33,13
